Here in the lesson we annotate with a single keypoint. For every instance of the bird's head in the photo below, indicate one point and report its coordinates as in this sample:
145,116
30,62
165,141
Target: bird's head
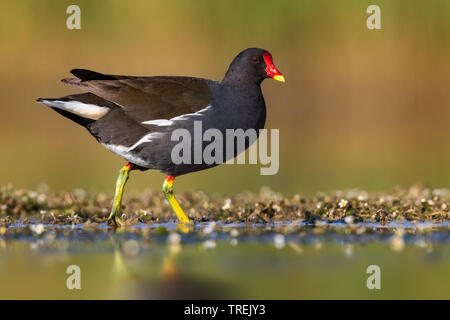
252,65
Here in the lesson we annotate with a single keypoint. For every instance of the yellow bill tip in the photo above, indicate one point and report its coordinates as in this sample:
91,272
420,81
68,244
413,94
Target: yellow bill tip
279,78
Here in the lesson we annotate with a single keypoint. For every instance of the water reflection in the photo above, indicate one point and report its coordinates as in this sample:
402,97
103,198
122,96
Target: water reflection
168,282
222,260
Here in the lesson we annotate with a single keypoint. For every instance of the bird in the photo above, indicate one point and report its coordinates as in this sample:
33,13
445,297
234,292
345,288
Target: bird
136,116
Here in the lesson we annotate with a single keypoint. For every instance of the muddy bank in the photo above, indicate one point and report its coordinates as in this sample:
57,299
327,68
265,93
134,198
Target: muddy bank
79,206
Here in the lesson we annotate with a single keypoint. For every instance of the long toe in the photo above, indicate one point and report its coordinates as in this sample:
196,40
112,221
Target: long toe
115,222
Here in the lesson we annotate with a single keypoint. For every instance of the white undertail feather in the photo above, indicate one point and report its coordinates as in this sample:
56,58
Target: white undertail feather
85,110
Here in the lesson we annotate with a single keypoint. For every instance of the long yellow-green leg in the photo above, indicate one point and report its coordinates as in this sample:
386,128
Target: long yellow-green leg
168,192
117,204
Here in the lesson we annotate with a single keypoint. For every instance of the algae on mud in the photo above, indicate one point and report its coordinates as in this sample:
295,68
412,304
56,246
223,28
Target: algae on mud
414,204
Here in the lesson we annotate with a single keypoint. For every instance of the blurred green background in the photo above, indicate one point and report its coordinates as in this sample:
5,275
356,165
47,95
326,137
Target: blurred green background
360,108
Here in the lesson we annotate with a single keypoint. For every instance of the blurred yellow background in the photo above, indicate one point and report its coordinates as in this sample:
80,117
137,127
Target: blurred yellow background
360,108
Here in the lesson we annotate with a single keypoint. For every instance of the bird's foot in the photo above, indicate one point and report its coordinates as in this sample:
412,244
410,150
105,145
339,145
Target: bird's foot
185,227
114,220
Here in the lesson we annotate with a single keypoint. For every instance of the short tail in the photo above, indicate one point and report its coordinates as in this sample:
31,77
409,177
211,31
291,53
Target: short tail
81,108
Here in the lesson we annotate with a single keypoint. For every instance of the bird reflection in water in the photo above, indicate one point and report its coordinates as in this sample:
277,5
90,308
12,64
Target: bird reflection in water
170,282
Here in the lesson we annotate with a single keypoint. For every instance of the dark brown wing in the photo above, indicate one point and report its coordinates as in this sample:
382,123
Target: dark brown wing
148,98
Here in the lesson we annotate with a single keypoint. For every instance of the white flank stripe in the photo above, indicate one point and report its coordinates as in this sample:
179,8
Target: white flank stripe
123,152
165,123
85,110
187,116
147,138
159,122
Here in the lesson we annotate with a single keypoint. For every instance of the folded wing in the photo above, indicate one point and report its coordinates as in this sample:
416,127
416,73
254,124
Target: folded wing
147,99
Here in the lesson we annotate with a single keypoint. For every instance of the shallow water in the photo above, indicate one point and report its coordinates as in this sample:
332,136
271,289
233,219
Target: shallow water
290,260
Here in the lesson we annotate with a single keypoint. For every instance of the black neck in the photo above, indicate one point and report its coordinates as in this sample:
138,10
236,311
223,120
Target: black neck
238,79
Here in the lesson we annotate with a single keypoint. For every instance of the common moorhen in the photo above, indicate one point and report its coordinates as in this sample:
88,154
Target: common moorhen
135,117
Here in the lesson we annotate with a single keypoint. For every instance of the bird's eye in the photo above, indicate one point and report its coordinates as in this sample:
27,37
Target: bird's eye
255,60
